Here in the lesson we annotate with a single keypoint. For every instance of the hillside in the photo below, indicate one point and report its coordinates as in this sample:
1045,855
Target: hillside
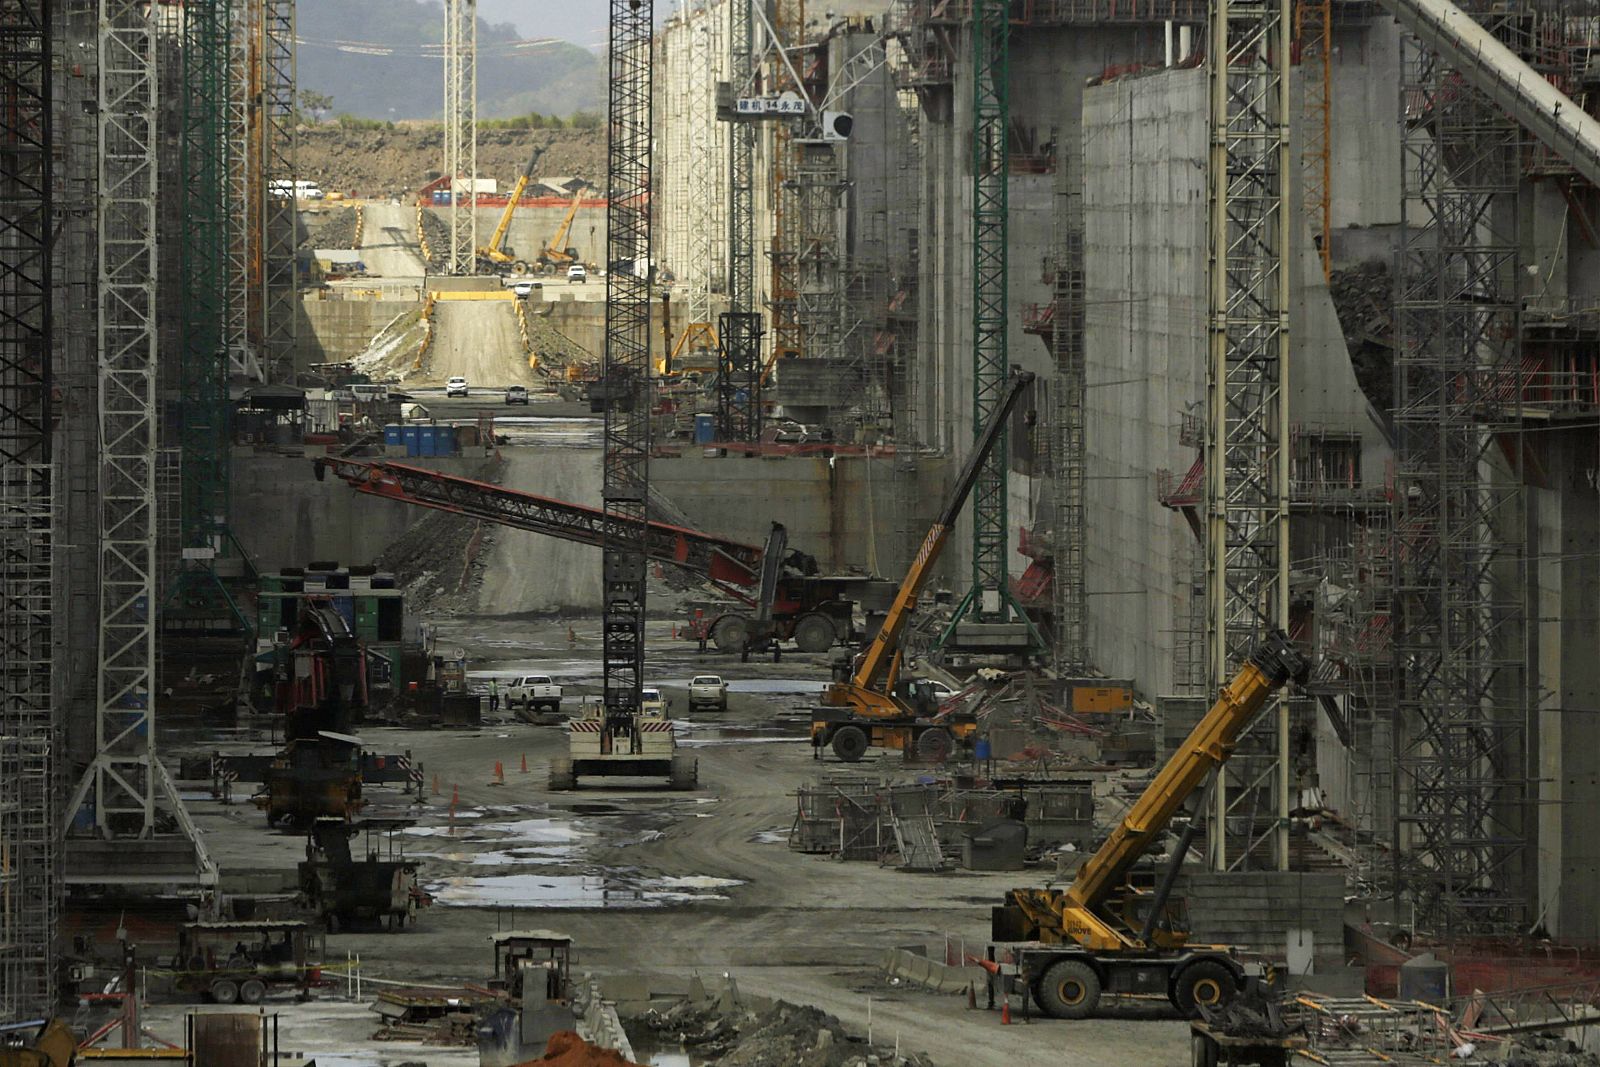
398,161
380,59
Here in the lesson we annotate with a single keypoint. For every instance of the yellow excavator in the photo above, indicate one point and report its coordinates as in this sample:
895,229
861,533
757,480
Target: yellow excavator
1107,932
863,709
497,254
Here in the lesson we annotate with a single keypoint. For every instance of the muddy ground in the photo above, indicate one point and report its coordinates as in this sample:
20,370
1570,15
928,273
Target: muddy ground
649,880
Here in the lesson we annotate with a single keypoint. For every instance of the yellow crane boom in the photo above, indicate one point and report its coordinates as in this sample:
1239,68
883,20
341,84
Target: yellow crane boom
495,250
1102,931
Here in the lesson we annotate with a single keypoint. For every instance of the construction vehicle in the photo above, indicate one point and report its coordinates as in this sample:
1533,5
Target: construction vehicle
533,973
814,610
555,254
238,962
37,1043
380,886
320,690
862,709
644,746
1112,932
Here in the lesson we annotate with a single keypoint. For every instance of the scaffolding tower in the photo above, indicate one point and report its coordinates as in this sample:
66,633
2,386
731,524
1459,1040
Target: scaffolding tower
741,163
125,783
272,174
197,597
1069,459
1246,463
461,131
818,265
1314,34
243,359
626,371
990,599
1460,705
30,873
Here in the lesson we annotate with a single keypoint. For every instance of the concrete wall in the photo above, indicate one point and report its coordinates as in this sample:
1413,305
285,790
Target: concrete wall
1258,909
1145,258
1365,124
839,512
335,330
284,517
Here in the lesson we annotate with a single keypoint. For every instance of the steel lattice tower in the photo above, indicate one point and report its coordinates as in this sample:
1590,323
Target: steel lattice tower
1461,706
739,332
1246,459
1071,605
122,781
461,130
990,599
272,306
244,361
788,333
30,872
626,373
209,225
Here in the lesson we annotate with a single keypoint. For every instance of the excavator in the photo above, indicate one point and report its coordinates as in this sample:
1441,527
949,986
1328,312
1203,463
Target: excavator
37,1043
863,709
551,256
1111,931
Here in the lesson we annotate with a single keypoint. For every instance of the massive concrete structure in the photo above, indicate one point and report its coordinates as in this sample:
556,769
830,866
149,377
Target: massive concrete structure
1123,92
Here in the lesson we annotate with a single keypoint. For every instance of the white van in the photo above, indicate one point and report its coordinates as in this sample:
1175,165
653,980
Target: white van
370,393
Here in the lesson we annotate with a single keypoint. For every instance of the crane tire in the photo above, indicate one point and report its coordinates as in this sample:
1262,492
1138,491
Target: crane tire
224,991
519,268
685,772
1069,989
934,745
1203,982
849,743
730,633
561,776
814,633
252,990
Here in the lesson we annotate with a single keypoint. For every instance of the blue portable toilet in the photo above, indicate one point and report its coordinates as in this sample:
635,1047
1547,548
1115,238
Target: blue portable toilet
392,435
444,442
410,436
705,429
426,438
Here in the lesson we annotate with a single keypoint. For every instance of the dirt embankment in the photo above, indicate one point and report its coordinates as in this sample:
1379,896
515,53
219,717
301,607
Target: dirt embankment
397,162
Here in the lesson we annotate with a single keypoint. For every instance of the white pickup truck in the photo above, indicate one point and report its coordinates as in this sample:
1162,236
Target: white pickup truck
534,692
707,692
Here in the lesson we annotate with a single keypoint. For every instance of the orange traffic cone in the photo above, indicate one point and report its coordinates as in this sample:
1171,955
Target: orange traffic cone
436,785
524,763
455,796
1005,1012
499,774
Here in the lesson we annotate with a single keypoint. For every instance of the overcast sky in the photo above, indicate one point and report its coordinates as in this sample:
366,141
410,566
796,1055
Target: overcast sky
583,22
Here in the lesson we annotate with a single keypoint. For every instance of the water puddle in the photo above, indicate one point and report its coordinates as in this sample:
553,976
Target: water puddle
771,837
576,891
510,858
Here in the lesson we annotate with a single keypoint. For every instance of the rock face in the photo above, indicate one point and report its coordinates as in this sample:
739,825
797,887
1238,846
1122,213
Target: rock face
388,163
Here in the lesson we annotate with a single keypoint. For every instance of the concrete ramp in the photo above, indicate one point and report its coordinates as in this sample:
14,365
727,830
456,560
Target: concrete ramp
533,572
479,340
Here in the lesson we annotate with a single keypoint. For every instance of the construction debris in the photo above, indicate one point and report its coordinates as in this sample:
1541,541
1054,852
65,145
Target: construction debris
786,1034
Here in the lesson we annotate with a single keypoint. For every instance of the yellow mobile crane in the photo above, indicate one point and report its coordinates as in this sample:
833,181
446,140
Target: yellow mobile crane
499,254
864,709
1104,933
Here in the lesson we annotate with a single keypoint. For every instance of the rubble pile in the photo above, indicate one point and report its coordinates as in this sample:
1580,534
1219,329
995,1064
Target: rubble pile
1363,298
1536,1051
337,229
439,561
437,232
786,1034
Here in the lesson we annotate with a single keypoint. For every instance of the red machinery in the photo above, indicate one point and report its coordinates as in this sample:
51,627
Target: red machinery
815,610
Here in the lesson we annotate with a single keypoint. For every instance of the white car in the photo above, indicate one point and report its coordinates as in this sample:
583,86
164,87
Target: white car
456,386
577,273
709,692
522,289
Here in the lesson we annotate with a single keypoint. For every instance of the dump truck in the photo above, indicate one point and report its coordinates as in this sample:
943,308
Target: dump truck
1113,932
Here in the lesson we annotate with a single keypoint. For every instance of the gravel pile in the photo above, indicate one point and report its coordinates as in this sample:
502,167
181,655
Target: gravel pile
439,561
1363,297
788,1034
